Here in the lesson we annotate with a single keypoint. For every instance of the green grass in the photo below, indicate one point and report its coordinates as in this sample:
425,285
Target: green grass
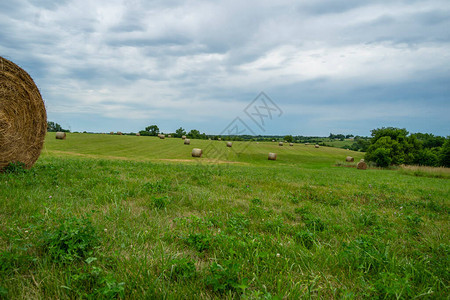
103,216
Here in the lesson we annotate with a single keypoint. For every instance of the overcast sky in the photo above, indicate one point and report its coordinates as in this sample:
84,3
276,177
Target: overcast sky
330,66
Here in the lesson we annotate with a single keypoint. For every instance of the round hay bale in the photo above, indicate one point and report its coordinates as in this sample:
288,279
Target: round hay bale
60,135
349,159
196,152
169,136
138,134
306,144
272,156
229,144
23,119
362,165
273,140
183,137
219,139
162,136
316,146
291,144
111,132
280,143
119,133
187,141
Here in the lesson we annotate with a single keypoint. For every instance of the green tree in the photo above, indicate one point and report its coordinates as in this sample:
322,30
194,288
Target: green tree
194,134
381,157
444,155
152,130
180,132
54,127
288,138
427,157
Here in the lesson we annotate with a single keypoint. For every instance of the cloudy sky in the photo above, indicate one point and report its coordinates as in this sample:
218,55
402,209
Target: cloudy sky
330,66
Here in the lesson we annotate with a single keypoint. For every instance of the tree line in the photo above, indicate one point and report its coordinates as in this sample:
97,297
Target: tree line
396,146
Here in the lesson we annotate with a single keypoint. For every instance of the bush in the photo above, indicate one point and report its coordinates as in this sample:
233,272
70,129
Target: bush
426,157
381,157
444,155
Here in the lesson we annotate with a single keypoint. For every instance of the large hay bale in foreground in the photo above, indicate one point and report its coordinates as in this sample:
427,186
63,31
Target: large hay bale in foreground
23,119
229,144
60,135
362,165
272,156
349,159
187,141
196,152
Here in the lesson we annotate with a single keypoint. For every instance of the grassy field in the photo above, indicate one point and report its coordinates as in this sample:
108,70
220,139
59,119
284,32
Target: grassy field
102,216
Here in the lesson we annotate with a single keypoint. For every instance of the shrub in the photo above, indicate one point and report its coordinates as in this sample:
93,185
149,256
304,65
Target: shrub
381,157
426,157
444,155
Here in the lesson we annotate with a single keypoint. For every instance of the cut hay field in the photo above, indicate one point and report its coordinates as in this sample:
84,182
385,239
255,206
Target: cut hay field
105,216
172,149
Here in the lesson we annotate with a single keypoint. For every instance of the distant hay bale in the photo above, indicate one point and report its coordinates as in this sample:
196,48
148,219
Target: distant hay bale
111,132
349,159
119,133
209,139
183,137
280,143
316,146
362,165
197,152
273,140
169,136
272,156
23,119
291,144
229,144
219,139
162,136
138,134
306,144
60,135
187,141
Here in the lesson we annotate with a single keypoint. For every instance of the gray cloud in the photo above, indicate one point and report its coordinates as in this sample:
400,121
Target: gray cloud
157,61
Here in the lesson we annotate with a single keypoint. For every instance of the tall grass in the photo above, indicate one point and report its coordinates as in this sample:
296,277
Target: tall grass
438,172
